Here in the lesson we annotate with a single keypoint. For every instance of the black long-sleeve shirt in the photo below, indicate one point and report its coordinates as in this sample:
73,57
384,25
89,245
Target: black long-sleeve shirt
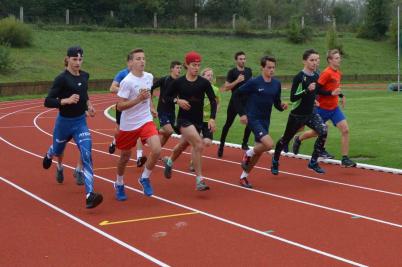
301,97
65,85
194,92
163,84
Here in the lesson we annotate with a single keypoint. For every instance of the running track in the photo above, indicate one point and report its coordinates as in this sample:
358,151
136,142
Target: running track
345,217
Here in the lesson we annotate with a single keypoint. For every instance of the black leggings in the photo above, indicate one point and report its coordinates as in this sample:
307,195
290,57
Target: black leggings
230,117
295,122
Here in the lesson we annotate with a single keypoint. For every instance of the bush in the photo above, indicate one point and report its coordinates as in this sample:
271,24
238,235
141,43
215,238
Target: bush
333,42
15,33
5,59
298,35
243,26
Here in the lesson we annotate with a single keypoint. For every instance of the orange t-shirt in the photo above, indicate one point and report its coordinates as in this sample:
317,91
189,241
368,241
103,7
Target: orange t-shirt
330,79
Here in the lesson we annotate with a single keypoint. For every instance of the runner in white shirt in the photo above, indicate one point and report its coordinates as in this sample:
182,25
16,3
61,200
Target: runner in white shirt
136,122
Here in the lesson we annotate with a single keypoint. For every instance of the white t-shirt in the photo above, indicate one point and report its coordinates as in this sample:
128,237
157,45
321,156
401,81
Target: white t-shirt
136,116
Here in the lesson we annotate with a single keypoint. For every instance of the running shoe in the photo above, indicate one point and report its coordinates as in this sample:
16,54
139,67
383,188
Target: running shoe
141,161
146,186
59,175
120,193
79,177
201,185
220,151
245,162
47,162
324,154
112,148
244,183
275,167
347,162
296,145
93,200
168,168
315,167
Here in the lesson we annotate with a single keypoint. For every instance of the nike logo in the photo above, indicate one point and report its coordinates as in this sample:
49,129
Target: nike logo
260,89
79,84
60,141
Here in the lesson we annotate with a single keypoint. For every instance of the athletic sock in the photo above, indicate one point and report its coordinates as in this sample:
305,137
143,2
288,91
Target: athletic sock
250,152
146,173
59,166
119,180
139,153
244,175
169,162
198,178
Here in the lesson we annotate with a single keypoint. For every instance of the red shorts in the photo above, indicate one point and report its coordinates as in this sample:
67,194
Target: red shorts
126,140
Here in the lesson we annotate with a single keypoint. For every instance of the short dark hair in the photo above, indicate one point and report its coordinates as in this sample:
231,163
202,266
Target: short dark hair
308,53
237,54
264,59
174,63
130,55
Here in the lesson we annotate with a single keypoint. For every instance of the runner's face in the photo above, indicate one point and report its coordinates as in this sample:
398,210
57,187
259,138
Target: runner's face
311,63
335,61
269,69
241,61
75,63
138,61
176,70
209,75
194,68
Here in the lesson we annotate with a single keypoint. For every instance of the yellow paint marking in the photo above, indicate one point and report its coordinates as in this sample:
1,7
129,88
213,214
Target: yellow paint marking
105,223
109,168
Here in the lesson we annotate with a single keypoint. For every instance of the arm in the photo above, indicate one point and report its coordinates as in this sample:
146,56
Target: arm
53,99
237,96
232,81
212,100
279,105
91,109
297,91
124,103
114,87
156,84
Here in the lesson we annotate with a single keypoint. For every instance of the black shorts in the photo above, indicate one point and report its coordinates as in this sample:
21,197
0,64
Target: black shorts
202,129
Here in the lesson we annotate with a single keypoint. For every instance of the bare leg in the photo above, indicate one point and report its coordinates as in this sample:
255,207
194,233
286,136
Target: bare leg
164,133
344,129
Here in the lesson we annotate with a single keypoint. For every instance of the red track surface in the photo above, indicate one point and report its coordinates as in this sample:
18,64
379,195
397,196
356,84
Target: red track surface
345,217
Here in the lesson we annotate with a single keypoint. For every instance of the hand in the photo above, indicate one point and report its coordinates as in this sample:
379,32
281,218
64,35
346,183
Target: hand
91,111
343,101
73,99
240,78
144,94
154,112
284,105
183,104
316,103
337,91
244,120
211,125
311,87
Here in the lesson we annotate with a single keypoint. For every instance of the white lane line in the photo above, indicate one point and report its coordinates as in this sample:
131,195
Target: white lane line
84,223
250,189
289,173
299,245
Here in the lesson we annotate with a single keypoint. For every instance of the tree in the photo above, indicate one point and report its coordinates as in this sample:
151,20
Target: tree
376,20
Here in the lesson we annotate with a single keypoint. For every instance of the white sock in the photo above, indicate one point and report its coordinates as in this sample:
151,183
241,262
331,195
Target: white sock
59,166
119,180
198,178
250,152
114,141
139,153
146,173
244,175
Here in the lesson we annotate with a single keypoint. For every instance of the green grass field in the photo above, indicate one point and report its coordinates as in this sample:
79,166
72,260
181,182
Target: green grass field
105,53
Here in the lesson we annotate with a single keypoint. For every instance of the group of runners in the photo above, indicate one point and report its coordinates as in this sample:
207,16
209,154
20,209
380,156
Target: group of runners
314,98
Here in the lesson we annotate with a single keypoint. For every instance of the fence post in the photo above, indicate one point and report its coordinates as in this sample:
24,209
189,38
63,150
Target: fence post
302,22
269,23
67,16
334,23
111,14
234,21
21,14
195,20
155,20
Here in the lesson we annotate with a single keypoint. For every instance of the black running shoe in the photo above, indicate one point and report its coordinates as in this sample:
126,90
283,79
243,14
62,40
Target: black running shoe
244,183
79,177
220,151
324,154
244,146
112,148
348,163
296,145
315,167
59,175
141,161
93,200
275,167
168,168
47,162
